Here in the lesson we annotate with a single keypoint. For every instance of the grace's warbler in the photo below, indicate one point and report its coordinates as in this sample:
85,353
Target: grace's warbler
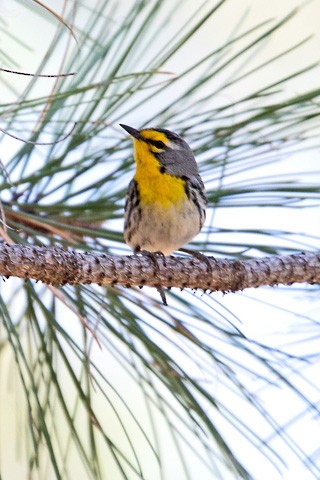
166,200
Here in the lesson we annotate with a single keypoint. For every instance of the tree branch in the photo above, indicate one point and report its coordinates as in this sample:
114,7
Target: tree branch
59,267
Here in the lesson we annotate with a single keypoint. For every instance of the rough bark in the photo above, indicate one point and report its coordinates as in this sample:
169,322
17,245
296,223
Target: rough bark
58,267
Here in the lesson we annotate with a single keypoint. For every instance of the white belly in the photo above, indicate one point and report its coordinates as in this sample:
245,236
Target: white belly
166,229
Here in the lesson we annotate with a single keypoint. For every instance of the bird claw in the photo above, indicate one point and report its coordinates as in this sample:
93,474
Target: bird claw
153,258
203,258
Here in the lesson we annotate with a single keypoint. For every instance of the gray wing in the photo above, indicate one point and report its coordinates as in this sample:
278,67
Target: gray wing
132,198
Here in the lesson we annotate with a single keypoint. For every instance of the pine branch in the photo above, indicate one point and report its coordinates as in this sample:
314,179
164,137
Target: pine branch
57,266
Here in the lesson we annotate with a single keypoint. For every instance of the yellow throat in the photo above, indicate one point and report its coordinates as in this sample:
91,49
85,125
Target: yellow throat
155,187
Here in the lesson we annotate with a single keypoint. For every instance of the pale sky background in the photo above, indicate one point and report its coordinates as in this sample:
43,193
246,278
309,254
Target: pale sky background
260,320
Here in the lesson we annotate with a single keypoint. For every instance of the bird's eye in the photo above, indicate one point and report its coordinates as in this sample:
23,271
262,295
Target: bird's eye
158,144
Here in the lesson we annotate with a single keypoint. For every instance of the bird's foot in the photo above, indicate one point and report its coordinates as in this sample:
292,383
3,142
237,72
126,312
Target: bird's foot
202,257
153,257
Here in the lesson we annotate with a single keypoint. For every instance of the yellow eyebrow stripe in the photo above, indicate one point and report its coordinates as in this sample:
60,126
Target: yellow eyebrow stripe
154,135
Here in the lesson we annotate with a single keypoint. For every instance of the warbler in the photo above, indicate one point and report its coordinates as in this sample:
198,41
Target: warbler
166,200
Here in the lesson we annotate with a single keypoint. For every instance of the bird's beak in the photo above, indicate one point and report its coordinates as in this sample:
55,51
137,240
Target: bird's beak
132,131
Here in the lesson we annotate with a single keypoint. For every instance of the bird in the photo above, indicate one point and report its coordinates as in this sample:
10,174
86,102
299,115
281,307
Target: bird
166,201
